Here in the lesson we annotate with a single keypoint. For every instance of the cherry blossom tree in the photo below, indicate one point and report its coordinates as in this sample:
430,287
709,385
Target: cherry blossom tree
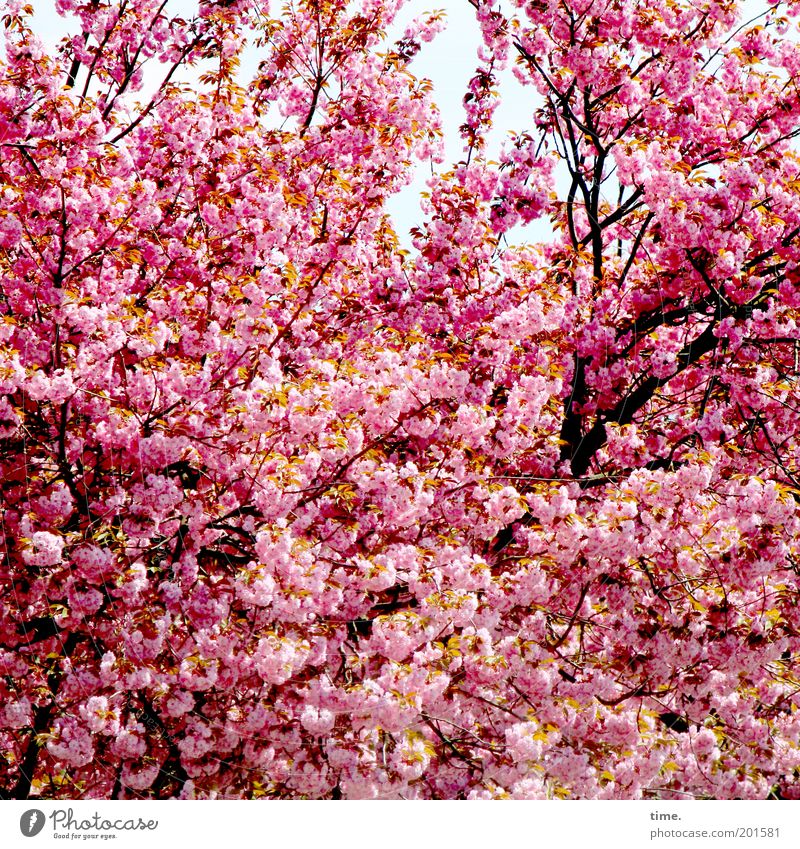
290,510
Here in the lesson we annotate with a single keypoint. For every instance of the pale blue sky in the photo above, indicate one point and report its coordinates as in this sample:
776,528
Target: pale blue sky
449,62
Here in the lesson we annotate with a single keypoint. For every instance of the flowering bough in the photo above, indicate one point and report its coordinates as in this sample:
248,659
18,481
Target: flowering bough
291,511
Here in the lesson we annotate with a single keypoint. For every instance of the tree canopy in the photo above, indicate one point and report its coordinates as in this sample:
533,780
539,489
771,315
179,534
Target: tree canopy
291,510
